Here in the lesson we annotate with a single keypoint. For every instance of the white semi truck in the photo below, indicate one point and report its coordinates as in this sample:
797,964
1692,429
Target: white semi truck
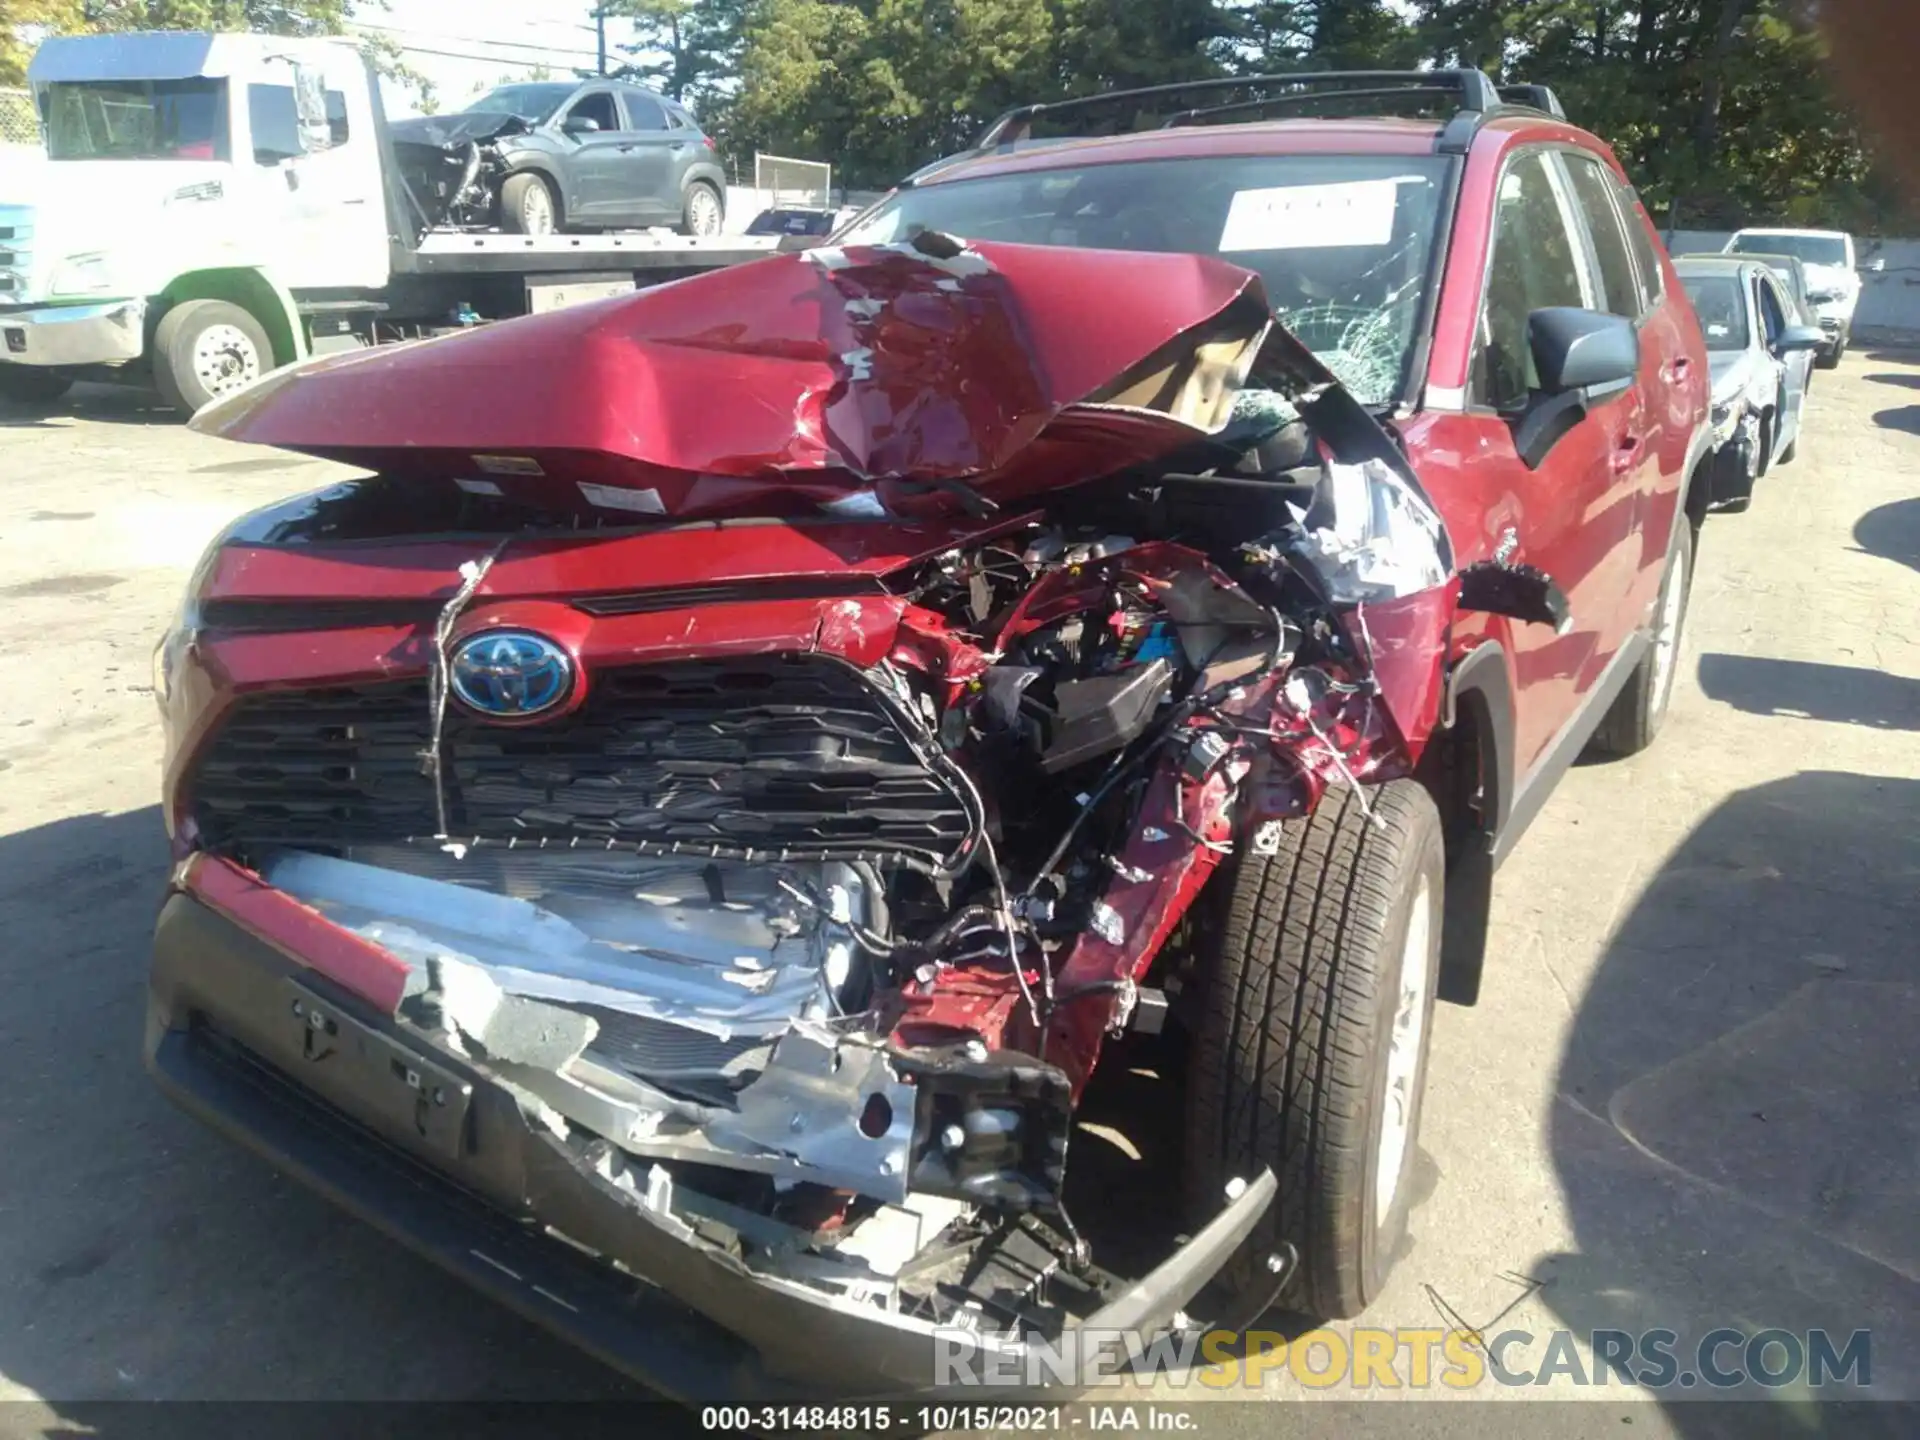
211,207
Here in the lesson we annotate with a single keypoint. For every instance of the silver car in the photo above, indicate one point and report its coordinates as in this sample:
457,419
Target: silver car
1759,354
548,156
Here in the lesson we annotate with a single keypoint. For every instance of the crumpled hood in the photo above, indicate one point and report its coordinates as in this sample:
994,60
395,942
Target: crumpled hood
444,132
830,375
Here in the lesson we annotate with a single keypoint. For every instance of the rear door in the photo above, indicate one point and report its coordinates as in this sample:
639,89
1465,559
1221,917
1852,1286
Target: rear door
648,195
1776,312
1570,515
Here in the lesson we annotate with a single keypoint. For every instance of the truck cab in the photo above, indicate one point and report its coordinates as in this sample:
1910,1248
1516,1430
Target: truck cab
230,169
211,207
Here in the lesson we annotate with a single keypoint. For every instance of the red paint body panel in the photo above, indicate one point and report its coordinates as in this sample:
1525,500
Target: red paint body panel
825,370
298,931
583,566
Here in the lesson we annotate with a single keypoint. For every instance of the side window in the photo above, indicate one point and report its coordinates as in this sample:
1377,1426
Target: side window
1595,198
643,112
275,123
1646,259
597,107
1773,315
1536,263
273,115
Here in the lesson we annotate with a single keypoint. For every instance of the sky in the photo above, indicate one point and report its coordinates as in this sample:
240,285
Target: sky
465,46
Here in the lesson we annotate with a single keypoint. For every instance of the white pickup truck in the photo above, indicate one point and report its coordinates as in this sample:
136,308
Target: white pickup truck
1833,277
210,207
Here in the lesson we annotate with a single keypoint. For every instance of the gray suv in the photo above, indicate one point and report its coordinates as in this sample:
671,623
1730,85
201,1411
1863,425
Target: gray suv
548,156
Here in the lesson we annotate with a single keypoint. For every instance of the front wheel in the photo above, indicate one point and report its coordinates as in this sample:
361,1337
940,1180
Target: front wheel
203,349
527,206
1309,1054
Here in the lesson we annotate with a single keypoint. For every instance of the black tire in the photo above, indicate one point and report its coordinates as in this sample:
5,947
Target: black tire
1300,983
690,204
1635,716
1793,449
31,385
1765,462
185,375
520,205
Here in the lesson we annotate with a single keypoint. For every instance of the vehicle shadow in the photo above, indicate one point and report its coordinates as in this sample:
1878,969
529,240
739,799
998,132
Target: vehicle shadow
104,404
149,1258
1734,1129
1899,417
1891,531
1907,381
1809,690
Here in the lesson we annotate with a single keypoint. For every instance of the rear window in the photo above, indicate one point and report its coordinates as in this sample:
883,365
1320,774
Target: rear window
138,120
1807,249
1722,309
1343,242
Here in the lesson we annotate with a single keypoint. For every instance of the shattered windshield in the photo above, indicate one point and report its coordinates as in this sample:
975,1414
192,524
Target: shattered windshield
1721,308
1807,249
532,103
1342,241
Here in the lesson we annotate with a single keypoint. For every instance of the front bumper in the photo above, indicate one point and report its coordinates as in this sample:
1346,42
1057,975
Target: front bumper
111,333
506,1205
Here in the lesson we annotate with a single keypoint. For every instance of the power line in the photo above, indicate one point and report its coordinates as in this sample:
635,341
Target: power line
584,54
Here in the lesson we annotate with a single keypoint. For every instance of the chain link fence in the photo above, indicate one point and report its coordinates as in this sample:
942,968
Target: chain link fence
793,184
19,123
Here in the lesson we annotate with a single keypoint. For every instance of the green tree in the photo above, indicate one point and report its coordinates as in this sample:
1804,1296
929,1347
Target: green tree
690,49
21,24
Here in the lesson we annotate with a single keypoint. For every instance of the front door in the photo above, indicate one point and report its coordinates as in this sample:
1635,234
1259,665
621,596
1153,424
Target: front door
648,194
313,189
1573,514
594,160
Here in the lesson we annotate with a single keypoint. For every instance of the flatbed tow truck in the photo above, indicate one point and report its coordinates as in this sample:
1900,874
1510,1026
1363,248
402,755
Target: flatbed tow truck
213,207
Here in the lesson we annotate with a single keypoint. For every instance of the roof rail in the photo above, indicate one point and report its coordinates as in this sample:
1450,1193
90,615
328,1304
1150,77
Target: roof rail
1470,88
1537,97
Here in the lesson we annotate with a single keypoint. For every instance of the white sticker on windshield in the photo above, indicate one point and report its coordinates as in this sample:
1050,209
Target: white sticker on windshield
1300,217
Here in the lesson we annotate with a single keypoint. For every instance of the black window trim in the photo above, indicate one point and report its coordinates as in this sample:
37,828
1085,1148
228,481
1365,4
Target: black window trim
1643,311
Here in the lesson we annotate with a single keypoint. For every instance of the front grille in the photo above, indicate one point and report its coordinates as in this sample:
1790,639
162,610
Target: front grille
756,756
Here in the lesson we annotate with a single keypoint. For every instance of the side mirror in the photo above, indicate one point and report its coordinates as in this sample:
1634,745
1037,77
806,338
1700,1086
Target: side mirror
581,125
1581,356
1799,337
1582,349
1875,266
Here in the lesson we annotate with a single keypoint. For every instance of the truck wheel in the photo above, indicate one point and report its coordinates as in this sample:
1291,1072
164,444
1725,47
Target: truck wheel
203,349
527,206
1310,1049
702,213
30,385
1637,710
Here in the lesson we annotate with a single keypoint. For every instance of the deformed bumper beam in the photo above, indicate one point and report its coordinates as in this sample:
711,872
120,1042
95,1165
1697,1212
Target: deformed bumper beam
534,1219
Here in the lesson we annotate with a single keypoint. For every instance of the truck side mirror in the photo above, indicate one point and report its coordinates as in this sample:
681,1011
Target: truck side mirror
1875,266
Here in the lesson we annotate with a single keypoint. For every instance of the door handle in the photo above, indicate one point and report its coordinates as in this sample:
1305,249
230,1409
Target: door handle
1626,454
626,147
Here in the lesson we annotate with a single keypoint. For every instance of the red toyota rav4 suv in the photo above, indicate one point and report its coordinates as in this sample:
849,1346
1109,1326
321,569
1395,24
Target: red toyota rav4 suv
673,841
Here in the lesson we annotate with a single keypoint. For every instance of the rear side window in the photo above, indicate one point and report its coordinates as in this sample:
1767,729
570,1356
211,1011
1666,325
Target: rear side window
1646,259
644,112
1536,264
1594,195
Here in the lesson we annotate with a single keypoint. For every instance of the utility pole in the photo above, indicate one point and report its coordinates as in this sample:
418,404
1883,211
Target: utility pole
600,33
